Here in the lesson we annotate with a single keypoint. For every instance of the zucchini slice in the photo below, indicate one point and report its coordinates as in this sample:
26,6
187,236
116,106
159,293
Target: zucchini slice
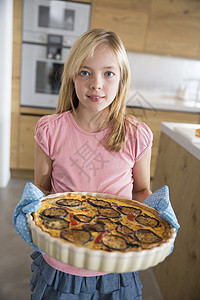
114,242
56,224
99,227
54,212
69,202
105,221
98,203
123,229
109,212
147,221
129,210
83,218
147,236
76,236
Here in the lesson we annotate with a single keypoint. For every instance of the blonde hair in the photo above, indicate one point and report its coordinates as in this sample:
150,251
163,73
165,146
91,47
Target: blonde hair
81,50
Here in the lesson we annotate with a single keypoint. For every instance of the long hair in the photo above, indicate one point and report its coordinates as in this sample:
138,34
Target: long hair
81,50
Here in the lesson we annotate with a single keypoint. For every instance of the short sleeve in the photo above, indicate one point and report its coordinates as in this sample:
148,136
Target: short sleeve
144,140
42,134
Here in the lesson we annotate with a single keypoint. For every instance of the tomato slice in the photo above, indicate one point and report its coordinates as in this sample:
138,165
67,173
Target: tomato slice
131,217
72,221
99,237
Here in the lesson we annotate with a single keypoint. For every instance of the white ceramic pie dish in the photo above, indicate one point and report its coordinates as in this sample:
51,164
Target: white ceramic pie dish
98,260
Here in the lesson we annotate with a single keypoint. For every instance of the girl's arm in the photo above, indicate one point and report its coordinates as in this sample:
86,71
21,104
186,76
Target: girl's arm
141,175
42,170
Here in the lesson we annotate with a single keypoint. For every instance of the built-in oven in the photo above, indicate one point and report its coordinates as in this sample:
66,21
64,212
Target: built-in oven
49,30
65,18
40,76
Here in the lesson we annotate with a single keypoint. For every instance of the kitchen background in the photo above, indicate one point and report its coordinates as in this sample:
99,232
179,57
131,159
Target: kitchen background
163,45
162,38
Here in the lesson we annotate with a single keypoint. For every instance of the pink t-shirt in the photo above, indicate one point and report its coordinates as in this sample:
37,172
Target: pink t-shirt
80,162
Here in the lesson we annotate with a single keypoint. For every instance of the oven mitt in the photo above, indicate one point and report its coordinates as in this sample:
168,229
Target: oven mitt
29,202
161,202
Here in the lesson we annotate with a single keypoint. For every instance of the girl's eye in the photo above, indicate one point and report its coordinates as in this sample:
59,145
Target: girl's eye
84,73
109,74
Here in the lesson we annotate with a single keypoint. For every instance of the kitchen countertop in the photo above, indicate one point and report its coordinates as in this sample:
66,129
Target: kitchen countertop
155,101
181,133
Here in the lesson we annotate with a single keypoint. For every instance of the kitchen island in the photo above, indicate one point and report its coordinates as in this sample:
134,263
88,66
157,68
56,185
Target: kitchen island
178,166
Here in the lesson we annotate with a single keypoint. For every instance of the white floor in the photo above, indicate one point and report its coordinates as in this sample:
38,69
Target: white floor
14,253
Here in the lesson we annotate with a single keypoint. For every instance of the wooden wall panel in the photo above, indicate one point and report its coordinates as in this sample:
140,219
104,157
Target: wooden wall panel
174,28
128,18
152,26
16,70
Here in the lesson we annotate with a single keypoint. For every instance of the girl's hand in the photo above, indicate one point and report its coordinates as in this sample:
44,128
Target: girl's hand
29,202
161,202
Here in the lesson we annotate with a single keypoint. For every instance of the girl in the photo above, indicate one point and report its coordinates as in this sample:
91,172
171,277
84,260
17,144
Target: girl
91,145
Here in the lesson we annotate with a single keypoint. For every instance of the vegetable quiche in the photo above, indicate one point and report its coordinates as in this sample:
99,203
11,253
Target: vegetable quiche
100,223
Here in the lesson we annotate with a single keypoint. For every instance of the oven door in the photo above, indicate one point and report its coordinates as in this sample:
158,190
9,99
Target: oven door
41,17
40,77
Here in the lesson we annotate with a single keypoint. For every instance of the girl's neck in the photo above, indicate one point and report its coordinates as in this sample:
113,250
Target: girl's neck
90,122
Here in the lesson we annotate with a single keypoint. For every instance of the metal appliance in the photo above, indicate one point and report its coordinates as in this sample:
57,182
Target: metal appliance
49,29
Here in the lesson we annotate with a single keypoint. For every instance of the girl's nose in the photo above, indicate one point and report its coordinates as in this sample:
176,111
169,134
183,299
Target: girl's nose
96,83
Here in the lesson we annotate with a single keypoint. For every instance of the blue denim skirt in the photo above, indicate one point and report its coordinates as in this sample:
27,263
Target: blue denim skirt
48,283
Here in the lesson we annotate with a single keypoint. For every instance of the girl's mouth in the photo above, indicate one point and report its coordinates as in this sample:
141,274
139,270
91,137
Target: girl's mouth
95,98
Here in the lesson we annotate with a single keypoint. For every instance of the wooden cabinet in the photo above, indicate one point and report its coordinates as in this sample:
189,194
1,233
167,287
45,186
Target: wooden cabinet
174,28
128,18
154,118
156,26
22,158
179,275
27,142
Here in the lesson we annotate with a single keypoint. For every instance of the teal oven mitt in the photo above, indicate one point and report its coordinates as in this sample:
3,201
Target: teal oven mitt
29,202
161,202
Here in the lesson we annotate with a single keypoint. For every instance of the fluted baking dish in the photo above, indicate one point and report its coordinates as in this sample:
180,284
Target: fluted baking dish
98,260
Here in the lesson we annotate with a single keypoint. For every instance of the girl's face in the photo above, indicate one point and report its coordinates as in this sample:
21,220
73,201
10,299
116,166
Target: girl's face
98,79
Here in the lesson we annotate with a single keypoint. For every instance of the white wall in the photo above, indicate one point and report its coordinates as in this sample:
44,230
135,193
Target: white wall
161,74
6,23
